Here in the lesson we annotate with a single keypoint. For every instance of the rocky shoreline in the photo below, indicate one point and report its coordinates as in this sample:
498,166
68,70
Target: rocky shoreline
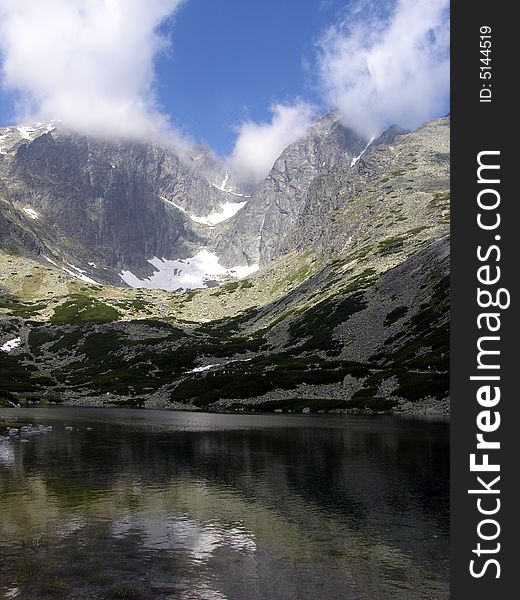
11,429
425,407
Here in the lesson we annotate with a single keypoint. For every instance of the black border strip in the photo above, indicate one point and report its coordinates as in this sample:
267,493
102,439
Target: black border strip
483,126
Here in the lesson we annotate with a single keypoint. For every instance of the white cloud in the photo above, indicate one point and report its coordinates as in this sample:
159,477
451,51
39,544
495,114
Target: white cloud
379,70
258,145
87,63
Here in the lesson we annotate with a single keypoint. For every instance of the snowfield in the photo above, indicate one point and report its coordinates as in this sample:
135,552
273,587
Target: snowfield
227,210
12,135
223,188
11,345
187,273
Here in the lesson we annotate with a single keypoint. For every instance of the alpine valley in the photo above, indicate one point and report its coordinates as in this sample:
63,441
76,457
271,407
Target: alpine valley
133,274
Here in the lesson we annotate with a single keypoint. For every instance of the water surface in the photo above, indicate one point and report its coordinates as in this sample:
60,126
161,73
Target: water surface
192,506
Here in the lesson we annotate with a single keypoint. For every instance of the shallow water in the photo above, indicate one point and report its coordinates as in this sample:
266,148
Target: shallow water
158,504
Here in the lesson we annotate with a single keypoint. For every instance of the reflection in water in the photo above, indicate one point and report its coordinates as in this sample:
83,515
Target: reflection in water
154,504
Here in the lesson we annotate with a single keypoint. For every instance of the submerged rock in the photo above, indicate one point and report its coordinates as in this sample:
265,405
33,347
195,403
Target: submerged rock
28,430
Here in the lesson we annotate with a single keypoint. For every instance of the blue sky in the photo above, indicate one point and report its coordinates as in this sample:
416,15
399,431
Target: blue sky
231,59
245,77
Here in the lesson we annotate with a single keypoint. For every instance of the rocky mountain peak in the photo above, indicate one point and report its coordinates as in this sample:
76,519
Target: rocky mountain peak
144,214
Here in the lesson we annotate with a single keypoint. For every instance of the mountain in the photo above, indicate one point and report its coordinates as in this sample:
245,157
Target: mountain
342,302
262,231
100,209
123,213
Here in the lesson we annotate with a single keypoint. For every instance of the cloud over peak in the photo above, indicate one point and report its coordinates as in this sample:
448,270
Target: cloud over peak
90,64
87,63
378,69
258,145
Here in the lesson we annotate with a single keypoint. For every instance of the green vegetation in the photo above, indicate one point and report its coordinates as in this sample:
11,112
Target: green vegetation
427,341
186,297
298,276
82,308
136,304
316,325
15,376
68,341
227,288
391,245
322,405
101,345
416,230
18,308
440,200
39,337
262,375
413,385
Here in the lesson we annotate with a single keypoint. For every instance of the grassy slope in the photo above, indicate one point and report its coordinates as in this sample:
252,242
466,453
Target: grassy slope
94,344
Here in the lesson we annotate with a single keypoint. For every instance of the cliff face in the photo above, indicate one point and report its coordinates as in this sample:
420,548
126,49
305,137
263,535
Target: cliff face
121,204
259,232
389,185
116,205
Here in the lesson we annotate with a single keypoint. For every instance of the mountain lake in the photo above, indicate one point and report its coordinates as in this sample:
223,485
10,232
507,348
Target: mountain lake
156,504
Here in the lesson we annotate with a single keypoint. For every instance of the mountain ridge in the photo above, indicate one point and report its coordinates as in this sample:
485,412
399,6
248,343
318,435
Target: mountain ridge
122,204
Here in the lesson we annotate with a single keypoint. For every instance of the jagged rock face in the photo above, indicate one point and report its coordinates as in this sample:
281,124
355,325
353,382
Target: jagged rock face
111,207
116,204
265,229
394,174
259,232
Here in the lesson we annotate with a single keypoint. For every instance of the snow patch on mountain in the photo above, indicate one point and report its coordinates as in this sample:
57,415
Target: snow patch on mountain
50,260
177,206
3,147
201,369
10,137
223,188
11,345
227,210
31,133
79,274
31,213
84,278
217,365
188,273
356,158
